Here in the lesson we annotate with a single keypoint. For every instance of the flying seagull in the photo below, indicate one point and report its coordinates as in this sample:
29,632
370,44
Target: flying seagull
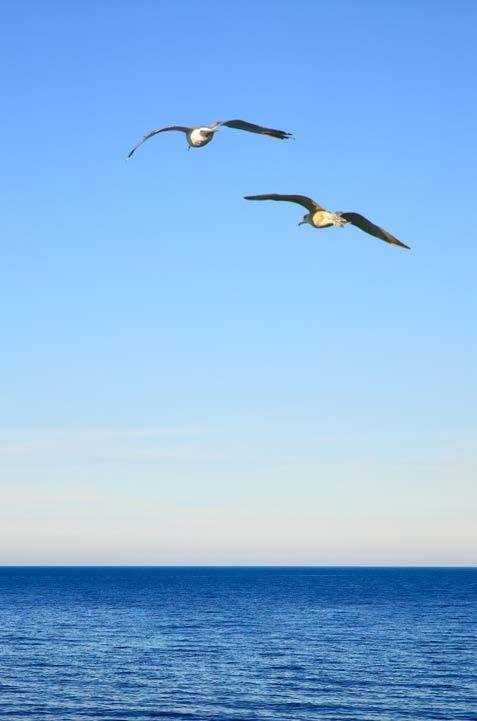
319,217
200,135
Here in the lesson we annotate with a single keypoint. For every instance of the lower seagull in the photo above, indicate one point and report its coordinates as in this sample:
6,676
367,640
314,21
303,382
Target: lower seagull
319,217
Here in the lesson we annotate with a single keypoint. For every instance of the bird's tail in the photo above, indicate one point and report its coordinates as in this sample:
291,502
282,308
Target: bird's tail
338,219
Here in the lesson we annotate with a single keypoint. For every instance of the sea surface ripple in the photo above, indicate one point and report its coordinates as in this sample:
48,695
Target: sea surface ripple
202,644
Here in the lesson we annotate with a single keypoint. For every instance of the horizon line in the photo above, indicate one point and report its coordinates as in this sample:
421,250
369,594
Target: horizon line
230,566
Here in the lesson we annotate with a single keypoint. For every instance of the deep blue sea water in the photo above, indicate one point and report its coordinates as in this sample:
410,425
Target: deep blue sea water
299,644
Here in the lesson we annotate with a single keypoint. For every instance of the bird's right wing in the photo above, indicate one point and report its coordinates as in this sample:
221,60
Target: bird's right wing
307,203
253,128
155,132
364,224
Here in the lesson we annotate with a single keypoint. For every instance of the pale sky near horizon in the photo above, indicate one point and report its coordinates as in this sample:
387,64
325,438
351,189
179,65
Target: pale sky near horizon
189,378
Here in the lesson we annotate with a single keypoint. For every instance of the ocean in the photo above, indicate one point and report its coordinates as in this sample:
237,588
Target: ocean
202,644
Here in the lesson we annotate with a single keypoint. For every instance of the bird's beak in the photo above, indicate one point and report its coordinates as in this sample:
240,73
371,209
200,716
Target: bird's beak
302,222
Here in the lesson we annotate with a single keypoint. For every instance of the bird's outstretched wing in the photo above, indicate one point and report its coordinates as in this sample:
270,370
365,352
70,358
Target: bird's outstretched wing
252,128
307,203
155,132
364,224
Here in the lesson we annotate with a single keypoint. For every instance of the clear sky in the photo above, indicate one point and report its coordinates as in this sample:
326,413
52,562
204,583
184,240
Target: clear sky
187,377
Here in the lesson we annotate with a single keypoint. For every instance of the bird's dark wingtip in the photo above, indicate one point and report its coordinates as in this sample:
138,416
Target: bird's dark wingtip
279,134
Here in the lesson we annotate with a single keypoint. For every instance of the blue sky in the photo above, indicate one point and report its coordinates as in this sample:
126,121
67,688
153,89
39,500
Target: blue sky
190,378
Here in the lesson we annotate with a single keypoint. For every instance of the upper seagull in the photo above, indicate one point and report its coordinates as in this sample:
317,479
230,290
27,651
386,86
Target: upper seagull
319,217
200,135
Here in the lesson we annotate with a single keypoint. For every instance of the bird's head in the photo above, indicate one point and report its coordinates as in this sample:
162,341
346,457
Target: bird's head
305,220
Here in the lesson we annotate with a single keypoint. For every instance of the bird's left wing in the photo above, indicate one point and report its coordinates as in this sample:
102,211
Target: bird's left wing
308,203
364,224
155,132
252,128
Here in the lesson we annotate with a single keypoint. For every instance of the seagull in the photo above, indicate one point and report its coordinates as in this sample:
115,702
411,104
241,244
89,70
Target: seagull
200,135
319,217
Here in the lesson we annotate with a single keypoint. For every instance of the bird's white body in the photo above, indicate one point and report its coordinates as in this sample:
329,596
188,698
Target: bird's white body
323,219
197,137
